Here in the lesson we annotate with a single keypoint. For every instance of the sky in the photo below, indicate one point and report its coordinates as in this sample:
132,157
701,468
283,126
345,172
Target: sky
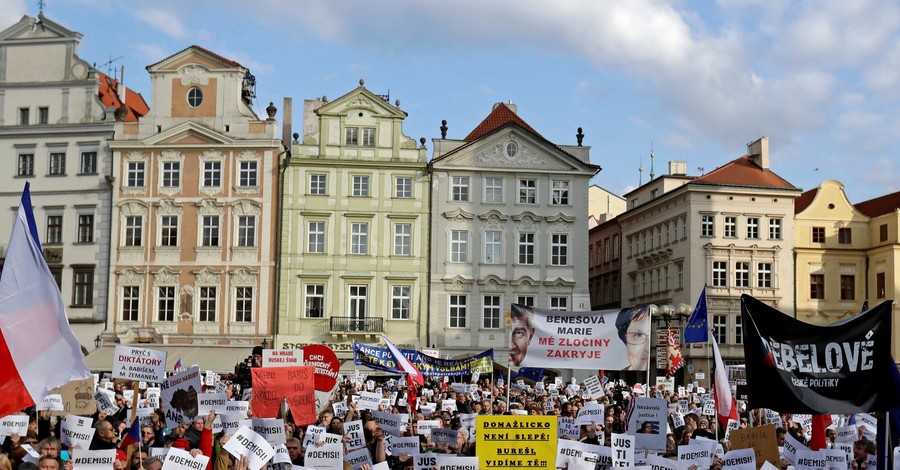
694,81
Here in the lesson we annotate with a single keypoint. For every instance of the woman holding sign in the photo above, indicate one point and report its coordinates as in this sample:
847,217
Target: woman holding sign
633,325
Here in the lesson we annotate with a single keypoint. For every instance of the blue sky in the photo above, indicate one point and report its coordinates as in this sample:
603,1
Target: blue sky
821,79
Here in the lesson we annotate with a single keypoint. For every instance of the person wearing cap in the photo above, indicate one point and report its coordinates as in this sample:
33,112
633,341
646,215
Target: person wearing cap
703,429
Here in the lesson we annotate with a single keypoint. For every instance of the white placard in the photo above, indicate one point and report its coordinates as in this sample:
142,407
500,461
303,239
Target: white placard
211,402
105,401
448,405
426,425
313,435
354,432
178,459
77,431
444,436
141,364
591,412
281,455
359,457
368,401
14,424
271,429
594,387
282,357
388,422
159,452
848,434
52,402
94,459
326,457
696,453
179,396
230,423
740,459
622,450
246,442
405,445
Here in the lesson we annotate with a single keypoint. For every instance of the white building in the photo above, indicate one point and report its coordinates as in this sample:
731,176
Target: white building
509,225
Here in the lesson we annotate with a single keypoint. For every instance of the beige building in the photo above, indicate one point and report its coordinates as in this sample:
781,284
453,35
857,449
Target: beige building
603,205
354,252
194,229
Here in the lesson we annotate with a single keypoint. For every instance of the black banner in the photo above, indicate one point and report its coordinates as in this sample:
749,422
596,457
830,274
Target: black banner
795,367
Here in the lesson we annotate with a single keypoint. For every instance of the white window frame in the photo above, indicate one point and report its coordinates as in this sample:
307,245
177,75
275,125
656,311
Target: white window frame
559,193
314,295
88,163
162,315
403,187
57,163
707,225
315,238
359,238
164,227
774,229
358,301
559,303
753,228
720,274
248,173
526,248
528,189
402,239
730,229
170,174
136,174
491,312
559,249
210,231
360,186
212,174
493,247
459,188
133,230
526,300
720,328
459,246
368,137
131,303
318,184
457,311
493,190
207,306
401,302
742,274
246,231
764,275
244,305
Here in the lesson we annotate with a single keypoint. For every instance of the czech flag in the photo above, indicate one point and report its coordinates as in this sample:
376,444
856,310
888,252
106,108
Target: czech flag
133,436
38,351
178,364
726,405
404,364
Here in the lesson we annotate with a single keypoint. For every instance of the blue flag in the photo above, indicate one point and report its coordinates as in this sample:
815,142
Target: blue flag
697,329
530,373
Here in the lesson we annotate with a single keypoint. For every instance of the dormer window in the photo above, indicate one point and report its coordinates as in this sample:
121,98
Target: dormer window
195,97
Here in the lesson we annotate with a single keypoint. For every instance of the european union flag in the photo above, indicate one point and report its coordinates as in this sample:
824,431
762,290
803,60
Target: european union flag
697,329
530,373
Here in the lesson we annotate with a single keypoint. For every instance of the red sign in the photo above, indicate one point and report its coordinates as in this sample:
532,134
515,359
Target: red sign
271,384
326,363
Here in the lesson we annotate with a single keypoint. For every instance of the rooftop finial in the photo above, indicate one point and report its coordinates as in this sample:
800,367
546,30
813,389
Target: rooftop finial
641,172
443,128
362,82
651,161
579,136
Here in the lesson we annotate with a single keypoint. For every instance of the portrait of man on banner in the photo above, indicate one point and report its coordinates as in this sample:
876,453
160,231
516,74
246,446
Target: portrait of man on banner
521,324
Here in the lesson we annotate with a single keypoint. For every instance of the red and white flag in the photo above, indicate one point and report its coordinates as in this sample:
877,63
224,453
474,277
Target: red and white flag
404,364
674,359
726,406
38,350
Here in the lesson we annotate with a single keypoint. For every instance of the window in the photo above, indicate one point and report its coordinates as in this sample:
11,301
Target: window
135,174
707,226
679,273
56,272
195,97
720,328
882,233
458,311
720,273
844,236
210,230
606,250
817,286
493,190
165,303
402,239
246,227
315,237
818,234
58,163
741,274
752,227
526,248
24,116
560,193
351,136
848,287
558,303
764,275
243,304
368,137
85,228
83,291
315,300
400,302
247,174
459,246
615,252
317,185
526,300
43,115
527,191
168,234
171,174
459,188
359,295
88,163
361,186
212,174
208,303
559,249
26,164
879,285
493,247
134,230
730,227
131,301
774,229
490,313
738,330
512,149
359,238
403,187
54,230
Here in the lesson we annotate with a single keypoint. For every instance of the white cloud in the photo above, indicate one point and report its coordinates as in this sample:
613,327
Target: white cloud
11,11
166,21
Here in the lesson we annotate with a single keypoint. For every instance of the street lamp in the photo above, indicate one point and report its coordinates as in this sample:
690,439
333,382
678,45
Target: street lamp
97,342
265,343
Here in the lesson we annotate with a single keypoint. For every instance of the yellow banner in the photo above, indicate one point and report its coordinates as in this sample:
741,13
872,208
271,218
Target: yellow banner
516,442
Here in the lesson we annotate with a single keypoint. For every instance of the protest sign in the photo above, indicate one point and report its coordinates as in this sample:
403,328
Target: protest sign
572,340
77,431
467,420
593,386
454,462
444,436
647,421
14,424
791,447
325,363
78,397
281,454
271,429
246,442
660,463
236,407
677,419
104,401
426,425
295,384
740,459
405,445
574,455
622,450
369,401
836,459
759,438
178,459
230,422
31,455
313,435
207,402
134,363
93,459
567,427
282,357
591,412
354,432
846,434
179,396
359,457
869,424
512,442
448,405
52,402
806,459
696,453
326,457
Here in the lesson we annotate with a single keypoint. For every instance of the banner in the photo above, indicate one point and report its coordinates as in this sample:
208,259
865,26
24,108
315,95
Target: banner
271,384
141,364
515,442
796,367
326,365
647,422
383,359
179,397
603,339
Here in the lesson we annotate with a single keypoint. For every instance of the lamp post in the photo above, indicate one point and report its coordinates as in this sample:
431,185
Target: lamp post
97,342
666,315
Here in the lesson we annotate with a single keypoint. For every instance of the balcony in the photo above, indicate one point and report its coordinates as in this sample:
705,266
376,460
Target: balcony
354,325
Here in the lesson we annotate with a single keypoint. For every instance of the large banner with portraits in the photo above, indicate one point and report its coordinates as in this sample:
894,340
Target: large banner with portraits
605,339
795,367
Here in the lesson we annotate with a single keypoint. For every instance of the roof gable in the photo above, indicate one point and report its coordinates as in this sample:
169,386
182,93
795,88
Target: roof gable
500,116
743,172
189,133
194,54
360,99
108,92
26,29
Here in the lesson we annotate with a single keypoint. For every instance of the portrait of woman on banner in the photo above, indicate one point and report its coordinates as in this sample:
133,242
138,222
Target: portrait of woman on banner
633,325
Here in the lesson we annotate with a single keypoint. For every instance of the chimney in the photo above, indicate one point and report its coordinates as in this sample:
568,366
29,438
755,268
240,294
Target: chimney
287,110
677,168
758,151
509,105
310,119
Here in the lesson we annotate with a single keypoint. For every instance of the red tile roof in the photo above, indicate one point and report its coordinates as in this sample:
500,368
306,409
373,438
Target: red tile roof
135,106
880,205
499,117
743,172
204,51
805,199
